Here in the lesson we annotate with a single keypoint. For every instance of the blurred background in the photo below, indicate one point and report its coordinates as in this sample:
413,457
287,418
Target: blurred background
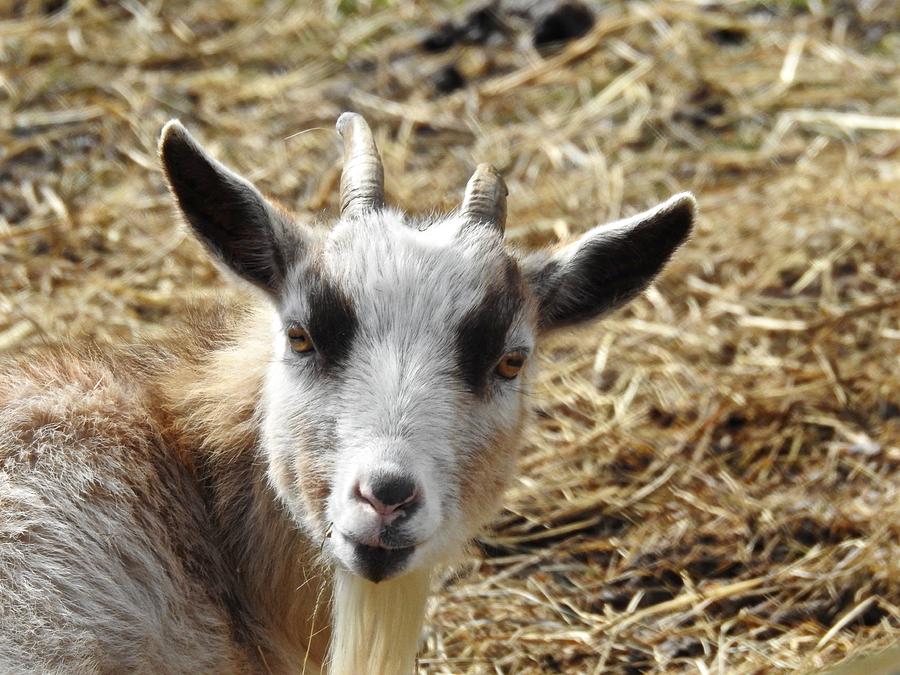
710,483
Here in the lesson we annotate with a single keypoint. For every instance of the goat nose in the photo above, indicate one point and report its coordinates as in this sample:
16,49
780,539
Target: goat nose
387,494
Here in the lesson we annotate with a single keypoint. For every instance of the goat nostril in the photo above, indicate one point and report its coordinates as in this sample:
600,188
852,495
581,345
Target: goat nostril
387,494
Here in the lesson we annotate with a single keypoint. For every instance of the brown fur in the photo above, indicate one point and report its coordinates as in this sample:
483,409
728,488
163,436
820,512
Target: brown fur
485,474
172,430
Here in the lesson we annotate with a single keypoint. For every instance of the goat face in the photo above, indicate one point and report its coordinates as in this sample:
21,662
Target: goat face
395,394
389,420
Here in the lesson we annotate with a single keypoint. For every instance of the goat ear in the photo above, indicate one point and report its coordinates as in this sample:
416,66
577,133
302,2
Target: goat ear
608,265
242,230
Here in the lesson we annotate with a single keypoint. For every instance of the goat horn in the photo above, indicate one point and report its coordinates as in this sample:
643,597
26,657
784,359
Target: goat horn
362,180
485,199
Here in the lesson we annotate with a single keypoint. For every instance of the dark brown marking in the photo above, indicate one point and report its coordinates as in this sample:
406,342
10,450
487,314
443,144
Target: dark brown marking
481,335
332,322
377,564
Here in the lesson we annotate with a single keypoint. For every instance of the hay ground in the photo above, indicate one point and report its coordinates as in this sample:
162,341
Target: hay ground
711,482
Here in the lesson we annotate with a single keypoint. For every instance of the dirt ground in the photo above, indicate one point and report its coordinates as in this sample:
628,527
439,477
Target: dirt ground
711,480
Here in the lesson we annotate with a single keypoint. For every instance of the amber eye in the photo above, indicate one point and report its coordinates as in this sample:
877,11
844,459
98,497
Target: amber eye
511,364
299,339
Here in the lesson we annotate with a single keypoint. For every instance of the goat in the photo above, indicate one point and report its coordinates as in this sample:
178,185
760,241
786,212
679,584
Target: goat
205,503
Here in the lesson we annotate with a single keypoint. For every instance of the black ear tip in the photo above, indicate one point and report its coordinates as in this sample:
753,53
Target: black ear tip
684,200
684,204
682,208
173,134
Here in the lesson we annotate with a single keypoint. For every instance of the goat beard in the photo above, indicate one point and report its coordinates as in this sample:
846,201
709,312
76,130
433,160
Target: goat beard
376,628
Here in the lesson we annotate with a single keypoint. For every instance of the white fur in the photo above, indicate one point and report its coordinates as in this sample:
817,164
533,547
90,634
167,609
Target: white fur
377,626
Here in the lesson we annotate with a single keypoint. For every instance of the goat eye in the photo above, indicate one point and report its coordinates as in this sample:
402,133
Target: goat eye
511,364
300,340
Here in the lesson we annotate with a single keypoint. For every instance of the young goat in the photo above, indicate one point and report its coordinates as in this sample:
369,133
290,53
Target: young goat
194,505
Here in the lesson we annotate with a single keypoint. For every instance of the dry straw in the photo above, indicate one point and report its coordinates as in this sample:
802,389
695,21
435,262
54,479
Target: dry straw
711,482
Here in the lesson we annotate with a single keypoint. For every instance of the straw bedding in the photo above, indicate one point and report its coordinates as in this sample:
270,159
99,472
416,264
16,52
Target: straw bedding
711,480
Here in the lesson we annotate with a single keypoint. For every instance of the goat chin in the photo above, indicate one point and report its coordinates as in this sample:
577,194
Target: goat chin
376,627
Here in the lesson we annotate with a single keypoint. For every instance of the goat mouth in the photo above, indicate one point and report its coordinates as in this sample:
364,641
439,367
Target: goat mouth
388,539
377,563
